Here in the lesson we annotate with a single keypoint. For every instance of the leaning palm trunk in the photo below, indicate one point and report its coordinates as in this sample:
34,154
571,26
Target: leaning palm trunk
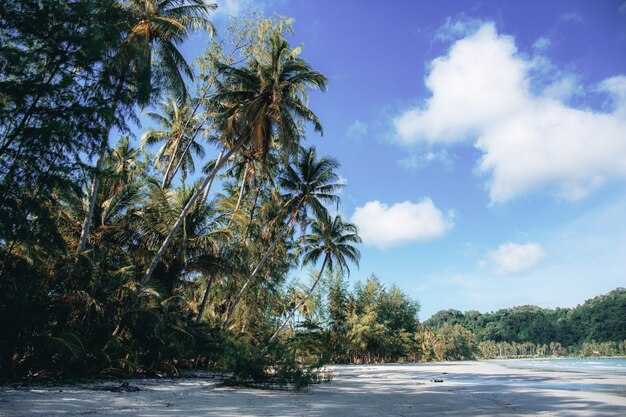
231,310
308,295
169,174
170,237
93,193
166,177
243,187
205,194
249,280
205,298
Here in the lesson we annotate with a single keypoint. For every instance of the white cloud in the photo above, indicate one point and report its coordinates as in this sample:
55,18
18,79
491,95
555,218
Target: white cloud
483,90
477,84
384,226
541,44
357,130
454,28
513,258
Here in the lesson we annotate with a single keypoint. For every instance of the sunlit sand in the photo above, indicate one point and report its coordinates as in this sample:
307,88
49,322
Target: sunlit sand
467,389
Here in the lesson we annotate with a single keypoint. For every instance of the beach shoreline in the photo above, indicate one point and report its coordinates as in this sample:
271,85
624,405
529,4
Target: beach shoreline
472,388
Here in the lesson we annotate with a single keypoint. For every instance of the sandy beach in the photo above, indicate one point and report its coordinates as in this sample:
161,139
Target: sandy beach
467,389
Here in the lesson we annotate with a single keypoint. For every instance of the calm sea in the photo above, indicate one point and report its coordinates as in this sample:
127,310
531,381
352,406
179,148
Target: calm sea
604,366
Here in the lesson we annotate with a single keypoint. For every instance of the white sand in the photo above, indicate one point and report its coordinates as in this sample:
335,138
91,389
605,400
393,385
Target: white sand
468,389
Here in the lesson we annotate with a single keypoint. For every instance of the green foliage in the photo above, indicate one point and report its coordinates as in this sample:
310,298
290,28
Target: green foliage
70,73
601,319
216,296
243,360
291,369
370,324
286,365
454,343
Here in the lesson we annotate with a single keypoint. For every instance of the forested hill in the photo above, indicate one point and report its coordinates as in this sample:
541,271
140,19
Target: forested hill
600,319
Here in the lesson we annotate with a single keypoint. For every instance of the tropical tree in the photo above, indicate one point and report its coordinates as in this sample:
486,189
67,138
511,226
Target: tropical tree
195,244
333,239
270,236
52,55
177,139
258,107
307,185
149,50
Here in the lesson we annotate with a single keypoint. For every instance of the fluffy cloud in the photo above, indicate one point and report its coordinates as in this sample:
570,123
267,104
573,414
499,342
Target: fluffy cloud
484,91
384,226
512,258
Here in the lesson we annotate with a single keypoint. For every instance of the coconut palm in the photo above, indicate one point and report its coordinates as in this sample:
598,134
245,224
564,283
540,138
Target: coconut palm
150,51
334,239
308,184
200,236
269,227
258,107
126,160
178,139
156,29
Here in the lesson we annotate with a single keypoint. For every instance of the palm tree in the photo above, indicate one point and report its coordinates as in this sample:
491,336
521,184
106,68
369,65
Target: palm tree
308,184
156,28
195,244
333,238
256,108
269,227
178,139
125,160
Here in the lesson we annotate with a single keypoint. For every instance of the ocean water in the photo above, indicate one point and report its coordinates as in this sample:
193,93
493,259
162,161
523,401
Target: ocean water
603,366
587,374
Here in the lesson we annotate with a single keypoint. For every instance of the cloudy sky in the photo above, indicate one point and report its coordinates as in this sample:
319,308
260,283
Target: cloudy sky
483,143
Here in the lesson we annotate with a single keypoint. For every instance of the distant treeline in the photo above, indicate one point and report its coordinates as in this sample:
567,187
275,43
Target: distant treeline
375,323
601,319
597,327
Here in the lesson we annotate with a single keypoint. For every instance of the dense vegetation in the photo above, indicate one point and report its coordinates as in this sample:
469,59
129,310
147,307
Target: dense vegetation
118,261
175,248
597,327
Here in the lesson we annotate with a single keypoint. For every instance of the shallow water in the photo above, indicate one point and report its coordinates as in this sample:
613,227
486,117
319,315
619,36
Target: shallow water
604,366
589,369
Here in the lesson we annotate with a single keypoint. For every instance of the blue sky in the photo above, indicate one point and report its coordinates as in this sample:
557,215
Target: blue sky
483,143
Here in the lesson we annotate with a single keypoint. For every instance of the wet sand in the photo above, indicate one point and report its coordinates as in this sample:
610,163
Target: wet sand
468,389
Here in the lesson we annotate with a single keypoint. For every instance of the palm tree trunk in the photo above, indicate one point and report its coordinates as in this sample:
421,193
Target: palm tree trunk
170,237
166,182
93,192
104,144
243,187
256,269
208,187
231,310
166,176
205,298
317,280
